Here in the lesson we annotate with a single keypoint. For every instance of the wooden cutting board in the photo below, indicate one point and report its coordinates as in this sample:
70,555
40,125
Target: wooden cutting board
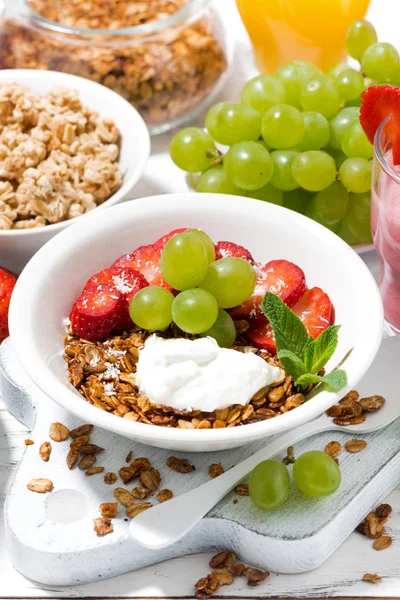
51,537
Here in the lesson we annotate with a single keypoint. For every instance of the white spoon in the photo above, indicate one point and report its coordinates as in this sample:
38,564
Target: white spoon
168,522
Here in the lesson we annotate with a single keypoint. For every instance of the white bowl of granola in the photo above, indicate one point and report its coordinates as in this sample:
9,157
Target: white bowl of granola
55,276
67,145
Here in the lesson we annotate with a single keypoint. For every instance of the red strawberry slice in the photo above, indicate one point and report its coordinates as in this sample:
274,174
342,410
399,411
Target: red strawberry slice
224,249
315,310
97,312
165,238
127,281
260,332
7,284
378,102
145,259
281,277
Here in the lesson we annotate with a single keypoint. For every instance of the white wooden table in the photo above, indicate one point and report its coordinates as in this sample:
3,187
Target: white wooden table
342,574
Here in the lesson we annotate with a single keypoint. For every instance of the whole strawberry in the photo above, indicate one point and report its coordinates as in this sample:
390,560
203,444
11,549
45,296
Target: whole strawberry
7,283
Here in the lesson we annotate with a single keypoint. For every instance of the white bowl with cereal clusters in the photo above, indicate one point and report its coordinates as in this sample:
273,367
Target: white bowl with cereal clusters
62,154
55,276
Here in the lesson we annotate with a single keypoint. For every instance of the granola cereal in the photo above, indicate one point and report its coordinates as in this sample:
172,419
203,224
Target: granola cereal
40,486
164,75
45,451
242,489
382,542
135,509
58,160
108,509
87,461
181,465
102,526
164,495
140,493
354,446
333,449
215,470
28,442
110,477
58,432
372,577
94,471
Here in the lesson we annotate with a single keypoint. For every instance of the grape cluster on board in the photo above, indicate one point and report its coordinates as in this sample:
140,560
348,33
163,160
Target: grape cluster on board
295,139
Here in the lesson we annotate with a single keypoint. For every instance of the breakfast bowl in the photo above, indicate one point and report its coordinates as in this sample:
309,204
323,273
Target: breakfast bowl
17,246
55,276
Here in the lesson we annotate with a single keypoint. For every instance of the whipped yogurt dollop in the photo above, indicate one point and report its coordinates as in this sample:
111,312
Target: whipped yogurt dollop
199,375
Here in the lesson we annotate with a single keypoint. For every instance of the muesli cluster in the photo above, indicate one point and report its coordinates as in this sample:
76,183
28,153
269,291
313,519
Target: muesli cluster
58,158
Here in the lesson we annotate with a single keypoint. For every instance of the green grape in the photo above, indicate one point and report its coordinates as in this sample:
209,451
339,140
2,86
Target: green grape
268,193
282,177
215,181
292,78
330,205
340,123
355,143
350,84
230,280
192,149
236,123
353,103
184,261
269,484
207,243
314,170
360,36
338,156
380,61
368,82
320,95
223,330
297,200
211,117
150,308
248,165
357,218
336,70
282,126
263,92
316,474
194,311
355,174
316,131
395,77
309,68
346,235
313,214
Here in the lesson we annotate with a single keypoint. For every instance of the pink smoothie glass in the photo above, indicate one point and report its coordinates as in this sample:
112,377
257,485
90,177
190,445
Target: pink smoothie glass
385,223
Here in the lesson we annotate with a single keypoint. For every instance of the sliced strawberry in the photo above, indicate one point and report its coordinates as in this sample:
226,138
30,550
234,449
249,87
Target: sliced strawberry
125,280
281,277
165,238
378,102
145,259
7,284
260,332
97,312
224,249
315,310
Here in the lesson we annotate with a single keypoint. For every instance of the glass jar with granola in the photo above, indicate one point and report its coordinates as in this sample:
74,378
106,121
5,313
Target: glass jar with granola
166,57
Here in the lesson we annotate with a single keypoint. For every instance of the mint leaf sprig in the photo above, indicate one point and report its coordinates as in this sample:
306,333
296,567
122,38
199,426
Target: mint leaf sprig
301,355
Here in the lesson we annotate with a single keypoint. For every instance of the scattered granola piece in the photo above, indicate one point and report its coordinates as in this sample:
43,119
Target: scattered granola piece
226,558
372,578
150,479
373,525
223,575
110,477
124,496
87,461
108,509
127,474
164,495
40,485
372,403
141,464
350,397
349,420
215,470
255,576
206,587
82,440
242,489
58,432
289,458
334,411
382,542
140,493
94,471
90,449
135,509
81,430
128,457
72,457
181,465
354,446
29,442
238,569
333,449
383,511
45,451
103,526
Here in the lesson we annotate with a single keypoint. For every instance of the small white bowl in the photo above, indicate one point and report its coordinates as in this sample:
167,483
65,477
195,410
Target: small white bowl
18,246
55,276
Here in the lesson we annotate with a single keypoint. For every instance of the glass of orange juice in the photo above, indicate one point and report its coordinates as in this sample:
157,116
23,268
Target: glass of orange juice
286,30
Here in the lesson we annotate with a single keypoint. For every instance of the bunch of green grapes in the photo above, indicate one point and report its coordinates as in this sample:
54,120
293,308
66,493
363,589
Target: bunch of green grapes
295,139
206,288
